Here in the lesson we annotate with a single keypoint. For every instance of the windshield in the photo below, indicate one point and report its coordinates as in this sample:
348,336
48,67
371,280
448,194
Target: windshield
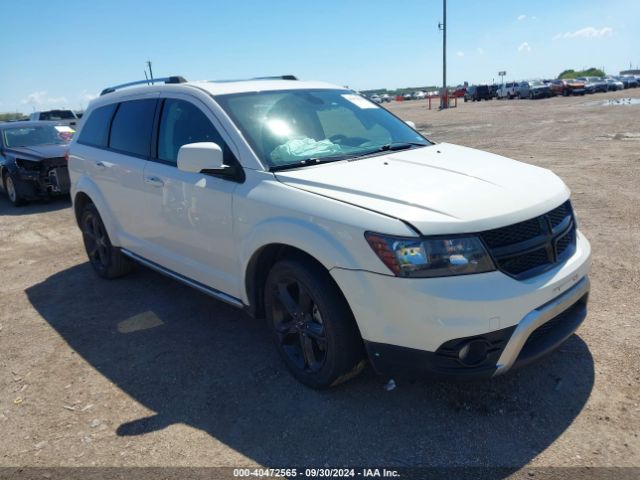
289,127
34,136
537,83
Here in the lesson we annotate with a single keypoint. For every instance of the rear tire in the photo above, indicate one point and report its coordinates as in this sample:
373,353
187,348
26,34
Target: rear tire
106,260
312,325
9,187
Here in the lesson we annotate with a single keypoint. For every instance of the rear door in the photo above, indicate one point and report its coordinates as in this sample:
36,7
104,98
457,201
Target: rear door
189,223
118,168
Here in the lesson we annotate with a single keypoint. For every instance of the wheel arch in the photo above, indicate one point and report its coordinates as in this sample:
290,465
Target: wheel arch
86,191
258,268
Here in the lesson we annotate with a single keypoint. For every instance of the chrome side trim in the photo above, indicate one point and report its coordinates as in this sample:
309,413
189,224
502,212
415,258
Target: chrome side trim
534,319
212,292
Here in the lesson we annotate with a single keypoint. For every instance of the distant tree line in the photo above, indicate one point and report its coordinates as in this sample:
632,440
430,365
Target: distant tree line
5,117
590,72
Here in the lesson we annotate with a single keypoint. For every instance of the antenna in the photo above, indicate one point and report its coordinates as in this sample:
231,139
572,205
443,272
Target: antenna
150,71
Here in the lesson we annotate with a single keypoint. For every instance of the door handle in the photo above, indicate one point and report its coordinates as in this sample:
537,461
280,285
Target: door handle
154,181
100,165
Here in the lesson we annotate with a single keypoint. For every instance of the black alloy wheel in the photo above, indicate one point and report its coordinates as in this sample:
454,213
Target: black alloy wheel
298,325
106,260
96,241
312,325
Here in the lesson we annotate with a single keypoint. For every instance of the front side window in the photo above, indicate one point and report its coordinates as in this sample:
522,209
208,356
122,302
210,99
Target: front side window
132,126
182,123
290,127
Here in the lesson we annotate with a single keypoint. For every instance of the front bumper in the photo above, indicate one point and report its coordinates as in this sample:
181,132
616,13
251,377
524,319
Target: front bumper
46,181
414,327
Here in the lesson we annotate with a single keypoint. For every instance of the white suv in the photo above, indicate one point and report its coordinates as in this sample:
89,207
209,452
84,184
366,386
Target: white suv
352,234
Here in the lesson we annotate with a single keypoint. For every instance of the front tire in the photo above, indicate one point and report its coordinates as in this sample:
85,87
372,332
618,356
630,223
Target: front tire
12,192
312,325
106,260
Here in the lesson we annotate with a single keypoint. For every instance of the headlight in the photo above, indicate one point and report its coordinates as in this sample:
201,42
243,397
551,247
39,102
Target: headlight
433,257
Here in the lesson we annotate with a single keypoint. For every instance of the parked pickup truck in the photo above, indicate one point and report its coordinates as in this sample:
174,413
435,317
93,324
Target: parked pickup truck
61,117
507,90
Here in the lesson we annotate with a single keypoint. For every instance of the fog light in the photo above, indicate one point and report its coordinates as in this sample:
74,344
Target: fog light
473,353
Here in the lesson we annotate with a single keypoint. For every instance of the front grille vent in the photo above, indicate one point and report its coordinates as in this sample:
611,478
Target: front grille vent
529,248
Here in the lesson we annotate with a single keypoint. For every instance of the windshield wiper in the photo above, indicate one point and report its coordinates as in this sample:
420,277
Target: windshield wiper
348,156
400,146
310,161
390,147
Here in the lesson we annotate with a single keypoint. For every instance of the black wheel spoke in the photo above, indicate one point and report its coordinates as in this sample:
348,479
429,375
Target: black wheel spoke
94,226
92,250
304,299
316,332
102,255
308,352
287,300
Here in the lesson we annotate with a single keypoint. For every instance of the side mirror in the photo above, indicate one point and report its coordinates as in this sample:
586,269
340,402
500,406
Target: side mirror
411,124
201,157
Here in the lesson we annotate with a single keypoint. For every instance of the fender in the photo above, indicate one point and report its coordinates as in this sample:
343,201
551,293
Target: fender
87,186
296,233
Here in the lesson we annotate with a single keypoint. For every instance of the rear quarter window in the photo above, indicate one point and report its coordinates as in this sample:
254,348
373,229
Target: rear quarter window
96,128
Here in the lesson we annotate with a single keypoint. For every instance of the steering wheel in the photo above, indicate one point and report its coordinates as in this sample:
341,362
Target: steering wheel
349,141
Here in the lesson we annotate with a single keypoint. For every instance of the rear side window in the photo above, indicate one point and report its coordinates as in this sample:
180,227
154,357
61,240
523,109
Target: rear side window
181,123
96,128
132,126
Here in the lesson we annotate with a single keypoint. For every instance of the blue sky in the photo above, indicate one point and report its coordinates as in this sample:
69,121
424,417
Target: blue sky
60,54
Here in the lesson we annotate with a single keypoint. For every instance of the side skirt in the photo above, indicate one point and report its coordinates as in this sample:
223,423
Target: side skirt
212,292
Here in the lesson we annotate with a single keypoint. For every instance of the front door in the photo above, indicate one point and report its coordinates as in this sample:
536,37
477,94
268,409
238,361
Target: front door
189,224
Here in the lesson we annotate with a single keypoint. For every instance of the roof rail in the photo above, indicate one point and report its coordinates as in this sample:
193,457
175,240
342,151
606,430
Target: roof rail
173,79
275,77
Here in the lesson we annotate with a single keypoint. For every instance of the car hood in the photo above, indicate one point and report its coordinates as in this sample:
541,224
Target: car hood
39,152
439,189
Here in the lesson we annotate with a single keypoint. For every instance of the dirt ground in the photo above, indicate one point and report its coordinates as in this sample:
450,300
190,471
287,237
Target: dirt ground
143,371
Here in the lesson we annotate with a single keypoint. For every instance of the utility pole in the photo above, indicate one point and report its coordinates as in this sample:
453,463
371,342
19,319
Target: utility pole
444,96
150,71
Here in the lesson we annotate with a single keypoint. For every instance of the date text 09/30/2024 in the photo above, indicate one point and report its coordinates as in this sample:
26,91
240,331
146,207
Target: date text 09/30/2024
316,472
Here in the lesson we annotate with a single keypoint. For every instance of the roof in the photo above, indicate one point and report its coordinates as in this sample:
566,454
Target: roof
241,86
215,87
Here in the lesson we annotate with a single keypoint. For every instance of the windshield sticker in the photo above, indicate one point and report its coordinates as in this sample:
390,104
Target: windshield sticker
359,101
64,129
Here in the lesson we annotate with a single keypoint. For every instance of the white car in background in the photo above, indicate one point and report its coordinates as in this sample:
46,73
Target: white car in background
61,117
352,234
507,90
419,95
